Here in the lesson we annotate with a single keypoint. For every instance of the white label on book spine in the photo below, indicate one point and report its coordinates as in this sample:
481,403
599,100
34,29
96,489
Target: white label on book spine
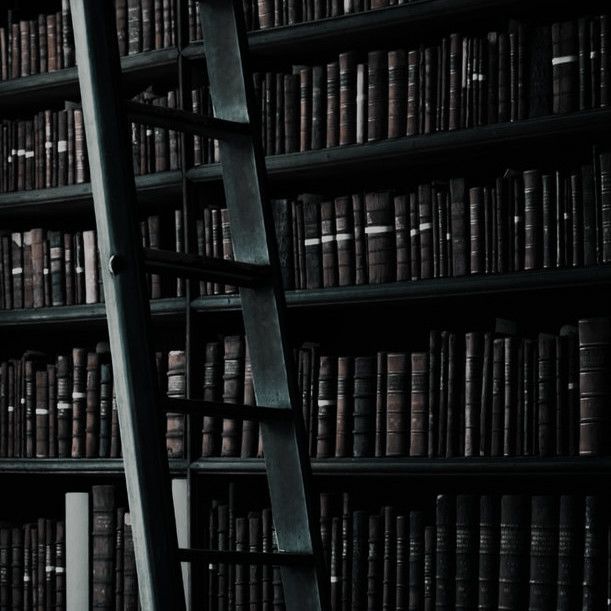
56,252
414,232
563,59
59,569
29,154
78,395
79,269
48,145
373,229
21,153
11,408
45,271
17,270
325,402
42,411
49,569
425,226
341,237
311,241
62,146
327,238
62,405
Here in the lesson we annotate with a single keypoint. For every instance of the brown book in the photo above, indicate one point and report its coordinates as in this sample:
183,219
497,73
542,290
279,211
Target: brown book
594,363
402,238
106,407
250,428
344,239
381,247
92,418
327,406
332,131
473,390
419,405
397,88
329,253
79,396
397,412
360,249
213,371
176,389
64,405
380,409
347,98
233,392
343,433
103,533
565,67
377,95
42,414
413,93
305,106
364,406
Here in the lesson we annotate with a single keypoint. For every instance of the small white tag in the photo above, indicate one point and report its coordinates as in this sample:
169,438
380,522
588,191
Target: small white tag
374,229
563,59
311,241
17,270
29,154
41,411
79,395
62,146
340,237
327,238
425,226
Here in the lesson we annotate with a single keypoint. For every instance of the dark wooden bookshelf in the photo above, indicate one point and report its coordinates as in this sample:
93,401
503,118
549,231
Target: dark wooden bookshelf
74,466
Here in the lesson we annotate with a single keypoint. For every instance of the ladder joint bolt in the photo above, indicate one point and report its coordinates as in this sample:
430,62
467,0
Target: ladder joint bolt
116,264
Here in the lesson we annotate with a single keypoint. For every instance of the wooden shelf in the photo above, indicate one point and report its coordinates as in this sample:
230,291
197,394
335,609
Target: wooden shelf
361,160
396,292
74,466
475,467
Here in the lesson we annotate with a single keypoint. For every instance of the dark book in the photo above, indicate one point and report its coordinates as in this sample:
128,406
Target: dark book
377,95
42,414
364,406
344,239
64,406
397,412
489,542
569,559
381,246
429,568
79,396
233,392
436,387
467,537
594,363
305,107
460,227
532,219
473,390
328,244
319,98
106,388
333,86
445,552
250,428
359,560
416,562
413,93
347,554
92,424
130,578
513,564
402,238
347,98
511,418
594,558
380,409
291,115
176,389
327,406
335,564
103,535
312,236
344,406
385,591
397,89
419,404
360,250
565,67
425,230
119,551
281,210
453,386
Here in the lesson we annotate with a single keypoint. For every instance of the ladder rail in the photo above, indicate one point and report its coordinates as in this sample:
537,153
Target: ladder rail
242,161
114,195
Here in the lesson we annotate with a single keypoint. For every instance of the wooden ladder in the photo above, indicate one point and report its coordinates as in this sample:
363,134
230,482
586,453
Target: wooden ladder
256,271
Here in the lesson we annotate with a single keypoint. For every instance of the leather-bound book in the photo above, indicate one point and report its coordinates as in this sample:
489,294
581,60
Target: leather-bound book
430,89
425,228
381,246
69,268
42,414
604,195
344,404
419,410
103,546
176,389
467,537
445,552
281,210
594,389
335,564
374,564
377,95
325,503
64,406
312,235
569,334
115,437
344,241
510,396
527,392
460,227
60,565
473,390
17,269
402,238
549,222
594,554
498,389
435,366
121,20
154,235
561,415
513,564
540,69
134,26
430,541
92,424
148,25
380,409
332,131
227,245
17,567
28,289
233,392
79,381
543,552
250,428
254,545
605,67
91,269
570,541
305,109
26,584
81,171
359,560
41,564
413,93
360,249
476,230
503,78
56,251
291,113
119,551
7,272
397,89
328,244
5,564
416,561
347,97
565,67
241,570
4,399
347,552
386,588
364,406
590,254
414,234
397,412
485,401
361,103
327,406
454,385
319,99
532,219
455,62
489,542
130,579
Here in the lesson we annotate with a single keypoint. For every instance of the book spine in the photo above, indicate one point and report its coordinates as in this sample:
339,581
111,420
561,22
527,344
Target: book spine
568,569
92,418
103,546
594,557
416,562
327,406
364,406
489,542
419,404
64,406
233,392
343,433
444,553
381,246
328,244
212,392
42,414
467,516
380,408
79,396
397,422
176,388
344,239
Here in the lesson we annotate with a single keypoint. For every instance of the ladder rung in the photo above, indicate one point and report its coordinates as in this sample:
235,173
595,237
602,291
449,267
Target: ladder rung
226,410
232,557
205,268
181,120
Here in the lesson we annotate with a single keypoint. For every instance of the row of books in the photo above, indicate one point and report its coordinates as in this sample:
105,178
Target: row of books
33,565
33,43
478,394
514,551
263,14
